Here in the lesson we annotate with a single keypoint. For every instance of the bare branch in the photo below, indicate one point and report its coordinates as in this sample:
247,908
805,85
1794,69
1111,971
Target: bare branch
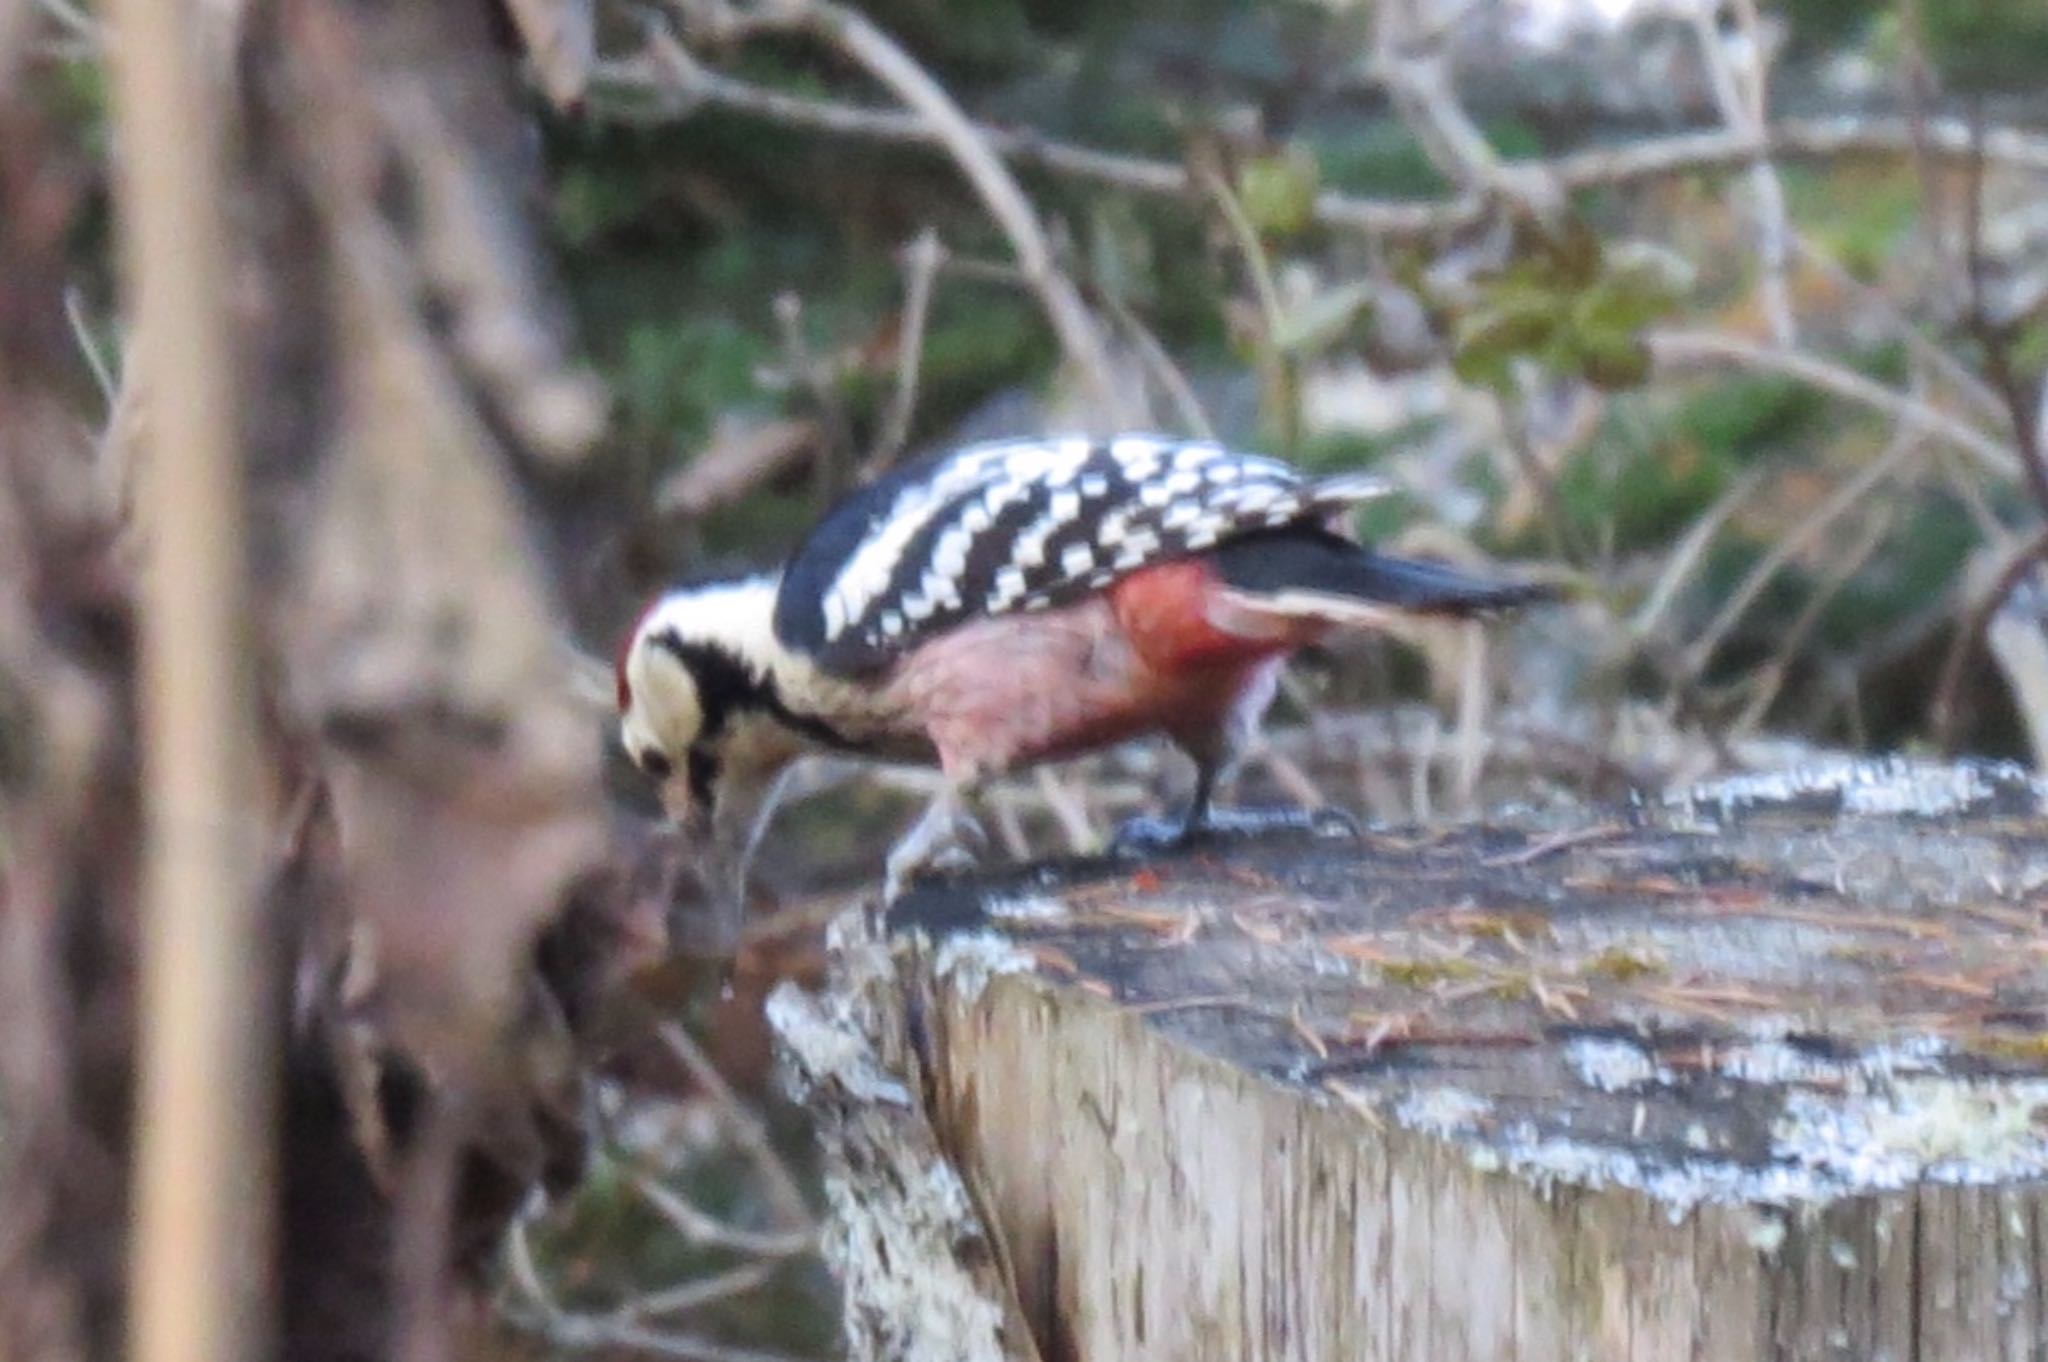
1276,367
539,1311
75,23
1906,447
668,83
745,1126
1741,92
1996,343
1469,737
1944,712
700,1227
705,1291
1936,358
815,376
1410,60
920,269
1679,351
1689,553
2020,648
1069,807
883,58
1172,381
739,459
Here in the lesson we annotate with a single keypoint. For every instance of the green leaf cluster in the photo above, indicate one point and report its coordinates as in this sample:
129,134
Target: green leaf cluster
1569,303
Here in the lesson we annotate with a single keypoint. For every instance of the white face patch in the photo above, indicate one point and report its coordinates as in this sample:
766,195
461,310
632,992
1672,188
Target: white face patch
666,713
705,671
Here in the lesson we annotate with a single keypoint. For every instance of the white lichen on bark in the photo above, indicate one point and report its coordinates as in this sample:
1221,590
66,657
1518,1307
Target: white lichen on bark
903,1235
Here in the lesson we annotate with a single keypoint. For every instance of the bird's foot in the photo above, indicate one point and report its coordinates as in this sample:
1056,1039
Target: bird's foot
945,840
1147,835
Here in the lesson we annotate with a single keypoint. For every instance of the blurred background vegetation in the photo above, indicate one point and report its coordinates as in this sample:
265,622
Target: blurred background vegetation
1777,419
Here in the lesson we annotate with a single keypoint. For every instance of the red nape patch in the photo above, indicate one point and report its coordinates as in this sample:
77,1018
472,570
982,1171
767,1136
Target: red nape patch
1170,615
625,651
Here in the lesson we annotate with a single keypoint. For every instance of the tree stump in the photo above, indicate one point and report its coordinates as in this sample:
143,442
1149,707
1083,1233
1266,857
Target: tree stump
1757,1072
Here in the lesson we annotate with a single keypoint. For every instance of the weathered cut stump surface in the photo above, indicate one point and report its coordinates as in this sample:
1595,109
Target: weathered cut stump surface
1759,1073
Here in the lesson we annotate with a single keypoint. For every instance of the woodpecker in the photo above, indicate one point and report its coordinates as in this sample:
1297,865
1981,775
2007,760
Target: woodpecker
1006,604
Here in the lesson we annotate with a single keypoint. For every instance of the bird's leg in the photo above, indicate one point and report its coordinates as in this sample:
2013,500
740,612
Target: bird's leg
945,838
1204,822
1202,806
1146,833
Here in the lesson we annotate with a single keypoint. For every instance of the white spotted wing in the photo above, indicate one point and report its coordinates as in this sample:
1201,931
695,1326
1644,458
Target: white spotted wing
991,529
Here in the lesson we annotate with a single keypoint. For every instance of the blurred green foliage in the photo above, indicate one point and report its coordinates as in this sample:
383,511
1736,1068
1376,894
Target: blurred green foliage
1570,305
1974,46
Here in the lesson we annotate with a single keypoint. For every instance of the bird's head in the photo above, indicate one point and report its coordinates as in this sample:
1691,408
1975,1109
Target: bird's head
695,687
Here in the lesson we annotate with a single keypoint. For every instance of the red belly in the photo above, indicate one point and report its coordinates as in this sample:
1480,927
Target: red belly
1145,659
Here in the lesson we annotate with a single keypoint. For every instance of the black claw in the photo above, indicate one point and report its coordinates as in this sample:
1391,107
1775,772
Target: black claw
1145,835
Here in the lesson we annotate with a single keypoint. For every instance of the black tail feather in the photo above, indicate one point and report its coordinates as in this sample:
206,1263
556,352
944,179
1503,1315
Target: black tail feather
1298,559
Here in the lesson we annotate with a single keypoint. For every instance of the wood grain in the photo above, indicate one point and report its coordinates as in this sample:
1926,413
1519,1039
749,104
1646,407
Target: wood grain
1756,1075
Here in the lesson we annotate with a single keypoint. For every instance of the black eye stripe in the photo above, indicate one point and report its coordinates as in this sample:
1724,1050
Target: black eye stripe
655,763
724,683
704,768
726,687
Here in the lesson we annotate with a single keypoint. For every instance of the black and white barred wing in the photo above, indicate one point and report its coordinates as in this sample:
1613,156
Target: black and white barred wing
1022,525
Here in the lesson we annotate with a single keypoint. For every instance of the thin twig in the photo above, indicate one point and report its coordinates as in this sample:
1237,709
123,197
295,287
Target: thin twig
1276,366
700,1227
1410,60
810,373
1290,776
525,1277
1917,74
920,268
1077,826
1936,358
1971,494
1943,711
1907,444
853,34
1677,351
1470,735
76,23
678,89
1564,537
1158,363
89,347
1996,344
1246,236
1770,679
1745,110
696,1295
1689,553
746,1127
1187,406
576,1332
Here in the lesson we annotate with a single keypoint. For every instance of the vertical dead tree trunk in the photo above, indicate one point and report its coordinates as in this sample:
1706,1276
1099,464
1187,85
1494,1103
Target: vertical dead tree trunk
430,798
200,1286
409,340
